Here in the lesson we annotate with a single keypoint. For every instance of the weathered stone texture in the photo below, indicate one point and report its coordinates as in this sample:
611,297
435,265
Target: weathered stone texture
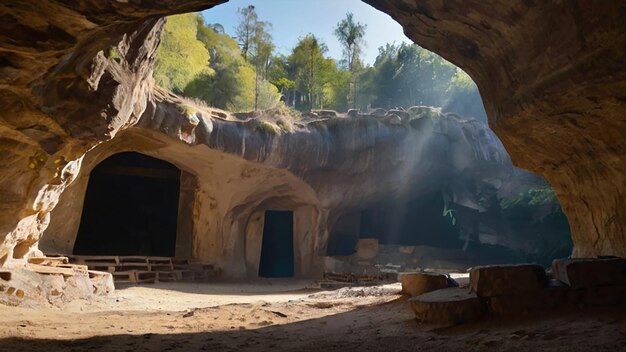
581,273
415,284
553,80
499,280
551,74
449,306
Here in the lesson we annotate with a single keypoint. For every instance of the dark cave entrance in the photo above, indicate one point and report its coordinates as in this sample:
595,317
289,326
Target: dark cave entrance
277,257
130,208
412,222
415,222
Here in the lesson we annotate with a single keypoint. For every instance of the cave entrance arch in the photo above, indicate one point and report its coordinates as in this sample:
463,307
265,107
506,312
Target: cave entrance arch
277,251
131,208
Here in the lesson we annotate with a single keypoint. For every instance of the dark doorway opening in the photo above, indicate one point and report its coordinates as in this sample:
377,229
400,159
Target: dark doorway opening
131,208
277,259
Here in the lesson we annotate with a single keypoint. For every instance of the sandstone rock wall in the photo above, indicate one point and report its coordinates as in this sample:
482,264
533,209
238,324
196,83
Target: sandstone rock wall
551,75
553,80
319,170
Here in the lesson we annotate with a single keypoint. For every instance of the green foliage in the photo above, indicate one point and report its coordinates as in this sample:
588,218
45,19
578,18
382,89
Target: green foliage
448,212
180,56
350,35
537,196
187,109
199,60
309,67
268,127
226,81
113,54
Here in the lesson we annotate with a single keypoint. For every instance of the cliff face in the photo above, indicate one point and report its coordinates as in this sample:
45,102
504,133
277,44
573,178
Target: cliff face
320,169
551,75
71,76
553,80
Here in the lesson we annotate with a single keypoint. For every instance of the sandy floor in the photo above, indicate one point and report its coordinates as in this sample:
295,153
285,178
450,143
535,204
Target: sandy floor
285,316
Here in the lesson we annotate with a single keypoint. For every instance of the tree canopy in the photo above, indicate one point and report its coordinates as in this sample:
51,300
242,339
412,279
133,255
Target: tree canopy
244,73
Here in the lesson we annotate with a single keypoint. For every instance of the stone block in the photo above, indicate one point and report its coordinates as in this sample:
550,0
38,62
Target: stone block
449,306
580,273
367,248
415,284
598,295
538,300
496,280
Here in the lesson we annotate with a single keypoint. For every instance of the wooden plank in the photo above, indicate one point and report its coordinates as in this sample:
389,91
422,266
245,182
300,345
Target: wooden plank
78,267
146,276
159,260
95,273
133,259
43,269
124,276
104,268
169,276
95,259
49,261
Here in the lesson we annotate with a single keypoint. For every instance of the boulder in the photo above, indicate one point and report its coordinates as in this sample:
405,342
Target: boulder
538,300
394,120
448,306
325,113
424,124
400,113
378,112
367,248
415,284
580,273
495,280
353,113
598,295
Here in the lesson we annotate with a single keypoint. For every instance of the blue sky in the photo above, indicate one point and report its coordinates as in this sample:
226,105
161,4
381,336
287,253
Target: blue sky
292,19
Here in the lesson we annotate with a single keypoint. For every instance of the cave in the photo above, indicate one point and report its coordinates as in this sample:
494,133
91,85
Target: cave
277,255
130,208
418,221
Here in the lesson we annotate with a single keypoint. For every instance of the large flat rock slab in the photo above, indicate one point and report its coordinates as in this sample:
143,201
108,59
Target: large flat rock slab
543,299
580,273
417,283
497,280
449,306
608,295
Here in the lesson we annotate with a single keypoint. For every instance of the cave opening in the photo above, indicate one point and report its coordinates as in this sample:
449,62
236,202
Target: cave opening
131,208
277,252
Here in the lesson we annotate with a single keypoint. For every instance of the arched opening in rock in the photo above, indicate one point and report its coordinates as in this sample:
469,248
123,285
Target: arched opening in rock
277,253
131,208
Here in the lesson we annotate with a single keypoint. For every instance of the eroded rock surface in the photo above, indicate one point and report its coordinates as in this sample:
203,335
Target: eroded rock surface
553,80
552,77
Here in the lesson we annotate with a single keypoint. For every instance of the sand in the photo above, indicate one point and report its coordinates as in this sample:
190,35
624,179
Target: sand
287,316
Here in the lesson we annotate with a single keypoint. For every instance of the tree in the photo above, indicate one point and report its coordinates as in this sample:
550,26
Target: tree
246,29
350,35
256,45
180,55
231,85
308,66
